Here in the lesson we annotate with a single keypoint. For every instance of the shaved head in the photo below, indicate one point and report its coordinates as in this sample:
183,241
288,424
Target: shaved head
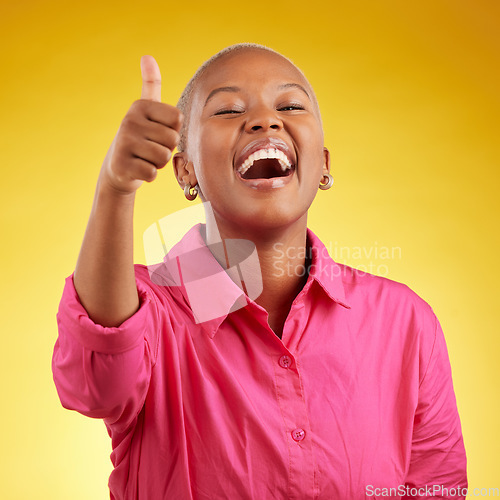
185,101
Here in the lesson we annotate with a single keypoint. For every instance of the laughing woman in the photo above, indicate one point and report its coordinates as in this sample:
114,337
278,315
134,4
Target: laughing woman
248,383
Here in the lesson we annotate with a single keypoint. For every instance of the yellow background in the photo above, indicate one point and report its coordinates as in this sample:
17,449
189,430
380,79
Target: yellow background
409,93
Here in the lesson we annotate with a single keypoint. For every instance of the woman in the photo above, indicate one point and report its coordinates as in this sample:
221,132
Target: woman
330,384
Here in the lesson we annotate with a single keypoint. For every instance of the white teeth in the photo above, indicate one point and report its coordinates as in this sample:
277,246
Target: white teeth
262,154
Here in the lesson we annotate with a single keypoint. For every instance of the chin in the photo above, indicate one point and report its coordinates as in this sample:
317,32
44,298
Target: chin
271,216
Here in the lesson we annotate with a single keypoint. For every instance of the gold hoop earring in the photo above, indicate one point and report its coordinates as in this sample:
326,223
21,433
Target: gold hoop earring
190,195
329,182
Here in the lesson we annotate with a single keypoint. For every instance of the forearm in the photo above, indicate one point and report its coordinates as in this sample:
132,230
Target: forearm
104,276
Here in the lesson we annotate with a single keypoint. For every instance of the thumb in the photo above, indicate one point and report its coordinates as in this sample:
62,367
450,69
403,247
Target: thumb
151,79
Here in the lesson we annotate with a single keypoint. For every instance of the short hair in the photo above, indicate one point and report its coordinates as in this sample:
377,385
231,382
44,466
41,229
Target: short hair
185,101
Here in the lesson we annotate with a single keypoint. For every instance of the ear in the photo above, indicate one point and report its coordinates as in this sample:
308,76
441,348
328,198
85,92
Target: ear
184,170
326,164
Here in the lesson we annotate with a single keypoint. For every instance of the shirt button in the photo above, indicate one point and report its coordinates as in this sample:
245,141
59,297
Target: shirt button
285,361
298,434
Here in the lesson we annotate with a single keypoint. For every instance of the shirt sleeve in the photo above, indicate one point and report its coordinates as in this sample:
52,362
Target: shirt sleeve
104,372
438,461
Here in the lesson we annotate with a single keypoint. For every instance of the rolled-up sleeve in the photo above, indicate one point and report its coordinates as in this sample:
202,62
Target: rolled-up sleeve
104,372
438,461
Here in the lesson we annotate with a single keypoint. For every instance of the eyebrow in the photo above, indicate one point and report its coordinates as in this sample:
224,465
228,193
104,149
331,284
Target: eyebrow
296,85
221,89
237,89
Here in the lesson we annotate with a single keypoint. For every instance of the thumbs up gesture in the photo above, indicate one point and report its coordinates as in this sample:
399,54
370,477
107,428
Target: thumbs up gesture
146,138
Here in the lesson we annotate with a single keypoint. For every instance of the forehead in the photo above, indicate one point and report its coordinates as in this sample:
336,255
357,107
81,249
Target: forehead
248,68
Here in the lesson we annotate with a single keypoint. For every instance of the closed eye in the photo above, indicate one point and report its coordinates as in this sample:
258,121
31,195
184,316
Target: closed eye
291,107
227,112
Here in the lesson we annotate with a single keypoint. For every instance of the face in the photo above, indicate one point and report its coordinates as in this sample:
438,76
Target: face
255,141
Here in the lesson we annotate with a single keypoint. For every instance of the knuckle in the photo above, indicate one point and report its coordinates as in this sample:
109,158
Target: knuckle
179,119
167,154
150,174
162,157
174,115
139,109
172,138
138,104
177,138
129,122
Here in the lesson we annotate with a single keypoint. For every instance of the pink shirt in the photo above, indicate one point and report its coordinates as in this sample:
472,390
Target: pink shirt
356,396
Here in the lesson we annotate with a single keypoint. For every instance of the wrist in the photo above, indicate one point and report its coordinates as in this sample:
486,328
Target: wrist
109,190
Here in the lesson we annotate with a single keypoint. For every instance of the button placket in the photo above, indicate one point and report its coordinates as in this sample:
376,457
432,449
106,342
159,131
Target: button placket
301,460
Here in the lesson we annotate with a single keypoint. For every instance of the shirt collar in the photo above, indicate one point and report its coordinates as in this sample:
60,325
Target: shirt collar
210,290
325,270
212,293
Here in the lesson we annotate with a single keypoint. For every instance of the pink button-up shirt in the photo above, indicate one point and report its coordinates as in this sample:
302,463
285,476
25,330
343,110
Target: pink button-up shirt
355,399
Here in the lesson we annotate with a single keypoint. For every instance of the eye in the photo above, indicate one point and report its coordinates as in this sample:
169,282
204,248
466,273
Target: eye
227,112
291,107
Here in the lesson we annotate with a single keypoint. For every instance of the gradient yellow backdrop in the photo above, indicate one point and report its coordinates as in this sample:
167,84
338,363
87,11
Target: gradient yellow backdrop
409,93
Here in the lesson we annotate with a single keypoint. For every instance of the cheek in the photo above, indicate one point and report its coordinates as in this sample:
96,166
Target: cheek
216,150
215,140
312,146
214,165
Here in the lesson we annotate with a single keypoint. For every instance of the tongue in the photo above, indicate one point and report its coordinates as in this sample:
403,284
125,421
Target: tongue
265,169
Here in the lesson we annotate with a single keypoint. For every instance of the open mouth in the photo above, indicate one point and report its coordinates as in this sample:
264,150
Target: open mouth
266,169
266,163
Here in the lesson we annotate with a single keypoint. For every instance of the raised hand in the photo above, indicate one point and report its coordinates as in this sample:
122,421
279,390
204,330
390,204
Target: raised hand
104,277
146,138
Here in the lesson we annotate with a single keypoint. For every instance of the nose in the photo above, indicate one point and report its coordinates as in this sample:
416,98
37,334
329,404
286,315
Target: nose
263,119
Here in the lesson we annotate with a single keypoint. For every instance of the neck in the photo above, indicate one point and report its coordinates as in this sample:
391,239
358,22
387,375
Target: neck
282,261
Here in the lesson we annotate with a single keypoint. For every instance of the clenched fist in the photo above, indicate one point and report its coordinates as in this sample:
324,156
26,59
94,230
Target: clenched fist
146,138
